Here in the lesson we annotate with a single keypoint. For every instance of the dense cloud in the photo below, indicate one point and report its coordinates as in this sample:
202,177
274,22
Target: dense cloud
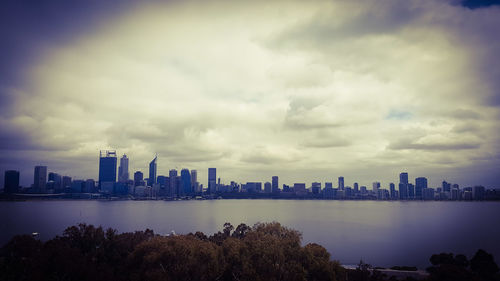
306,90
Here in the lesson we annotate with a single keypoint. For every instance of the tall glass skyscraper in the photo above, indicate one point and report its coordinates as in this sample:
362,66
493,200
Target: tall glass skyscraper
186,182
341,183
123,174
107,167
40,179
212,180
11,181
152,172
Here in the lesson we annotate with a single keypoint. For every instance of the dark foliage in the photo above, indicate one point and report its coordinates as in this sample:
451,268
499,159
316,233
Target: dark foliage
266,251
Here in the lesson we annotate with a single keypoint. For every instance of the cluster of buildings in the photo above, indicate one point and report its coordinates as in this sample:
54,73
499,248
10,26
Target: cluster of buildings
115,180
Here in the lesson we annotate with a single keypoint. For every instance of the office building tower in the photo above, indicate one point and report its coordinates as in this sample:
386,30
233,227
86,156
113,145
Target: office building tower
420,184
403,178
299,188
212,180
356,187
411,191
186,182
316,187
478,192
89,186
107,167
172,190
267,187
392,191
194,181
152,172
446,186
40,179
11,181
66,182
375,186
56,179
138,178
341,183
403,191
123,174
275,184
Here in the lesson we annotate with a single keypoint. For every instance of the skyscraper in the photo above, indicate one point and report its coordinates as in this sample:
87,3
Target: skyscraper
403,178
11,181
194,180
123,174
403,186
138,178
275,184
420,184
212,180
186,182
172,191
40,179
341,183
107,167
152,172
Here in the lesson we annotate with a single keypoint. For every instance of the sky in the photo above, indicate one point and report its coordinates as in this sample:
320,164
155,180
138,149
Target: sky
306,90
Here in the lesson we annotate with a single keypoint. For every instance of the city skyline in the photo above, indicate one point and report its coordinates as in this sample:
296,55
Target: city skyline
308,91
110,172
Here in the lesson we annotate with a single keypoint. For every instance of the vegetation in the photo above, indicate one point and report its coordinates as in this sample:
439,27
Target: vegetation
266,251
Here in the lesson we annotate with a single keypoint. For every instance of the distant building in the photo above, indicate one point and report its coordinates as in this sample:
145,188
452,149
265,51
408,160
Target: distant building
89,186
478,192
57,181
138,178
212,180
446,186
123,174
420,184
299,188
40,179
186,182
194,181
267,187
11,182
275,184
341,183
77,186
107,166
356,187
172,190
375,186
392,191
403,178
152,172
316,187
411,191
66,182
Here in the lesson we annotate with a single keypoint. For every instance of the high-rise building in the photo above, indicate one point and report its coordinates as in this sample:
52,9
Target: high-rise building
66,182
392,190
212,180
316,187
420,184
356,187
56,179
123,174
194,181
40,179
138,178
403,186
275,184
341,183
107,166
375,186
446,186
89,186
172,191
403,178
11,181
152,172
186,182
267,187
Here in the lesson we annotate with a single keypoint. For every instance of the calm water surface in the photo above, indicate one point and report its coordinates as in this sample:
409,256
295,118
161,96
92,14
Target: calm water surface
380,233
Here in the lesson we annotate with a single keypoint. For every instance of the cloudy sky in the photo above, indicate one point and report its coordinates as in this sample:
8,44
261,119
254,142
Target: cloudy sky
307,90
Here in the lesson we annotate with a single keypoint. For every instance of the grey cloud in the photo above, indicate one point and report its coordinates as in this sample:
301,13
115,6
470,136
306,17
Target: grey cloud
326,142
405,144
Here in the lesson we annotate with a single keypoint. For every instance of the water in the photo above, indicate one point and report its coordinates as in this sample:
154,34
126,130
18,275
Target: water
380,233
